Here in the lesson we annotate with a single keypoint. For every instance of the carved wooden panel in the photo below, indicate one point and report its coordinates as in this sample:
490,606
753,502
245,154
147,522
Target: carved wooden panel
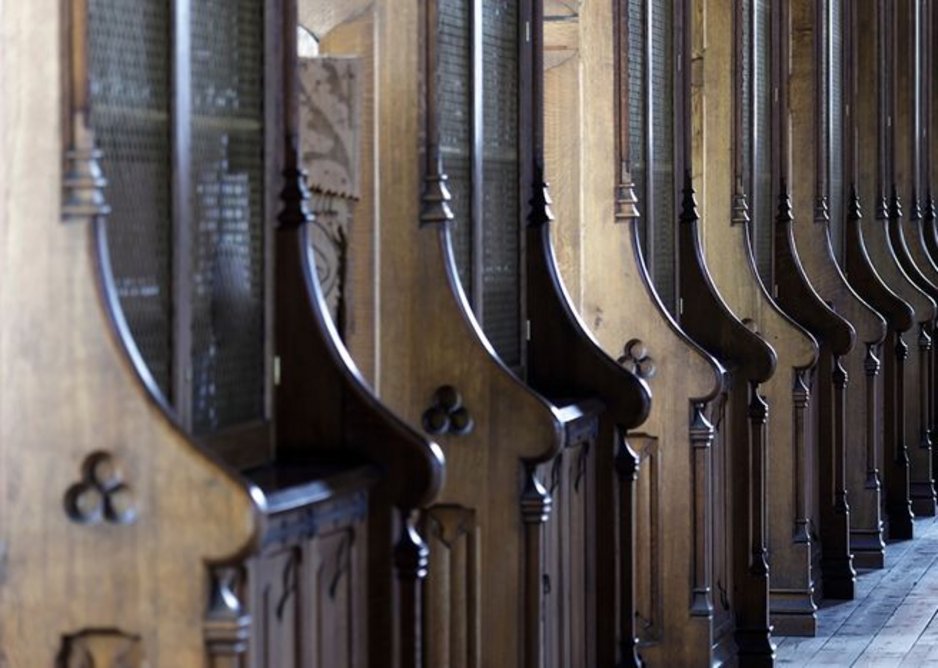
330,145
308,597
569,479
102,649
452,592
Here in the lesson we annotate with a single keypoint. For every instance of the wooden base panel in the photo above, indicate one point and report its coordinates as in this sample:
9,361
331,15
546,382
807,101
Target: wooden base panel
839,579
755,647
793,613
869,549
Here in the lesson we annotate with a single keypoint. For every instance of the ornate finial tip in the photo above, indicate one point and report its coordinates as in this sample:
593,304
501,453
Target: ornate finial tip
626,201
689,202
784,205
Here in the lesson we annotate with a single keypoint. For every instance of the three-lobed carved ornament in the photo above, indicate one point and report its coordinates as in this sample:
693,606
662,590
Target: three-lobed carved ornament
446,414
101,648
101,495
636,359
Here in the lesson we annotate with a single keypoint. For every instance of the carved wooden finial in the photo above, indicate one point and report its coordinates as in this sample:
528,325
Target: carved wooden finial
882,207
915,208
740,205
295,197
436,195
895,204
854,209
785,214
689,201
227,625
822,211
536,502
626,199
83,182
541,213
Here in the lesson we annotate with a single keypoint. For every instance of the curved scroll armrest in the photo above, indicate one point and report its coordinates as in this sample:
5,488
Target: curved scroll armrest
323,406
795,292
563,356
704,314
863,275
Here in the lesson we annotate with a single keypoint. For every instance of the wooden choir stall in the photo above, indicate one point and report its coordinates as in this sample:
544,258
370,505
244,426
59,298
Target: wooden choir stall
459,333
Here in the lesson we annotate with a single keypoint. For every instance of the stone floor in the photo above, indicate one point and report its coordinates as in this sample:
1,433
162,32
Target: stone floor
892,622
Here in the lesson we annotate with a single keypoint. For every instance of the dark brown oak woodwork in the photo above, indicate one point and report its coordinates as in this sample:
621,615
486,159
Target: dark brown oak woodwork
740,568
906,231
846,444
494,521
673,448
104,602
563,360
134,491
810,188
726,237
905,357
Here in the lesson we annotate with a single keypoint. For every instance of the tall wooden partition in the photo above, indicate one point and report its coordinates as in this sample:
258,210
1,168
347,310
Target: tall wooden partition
513,531
873,268
740,567
563,359
907,238
803,248
816,75
726,238
170,553
674,501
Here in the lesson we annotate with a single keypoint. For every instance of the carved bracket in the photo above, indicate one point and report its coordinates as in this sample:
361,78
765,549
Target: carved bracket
446,414
101,495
